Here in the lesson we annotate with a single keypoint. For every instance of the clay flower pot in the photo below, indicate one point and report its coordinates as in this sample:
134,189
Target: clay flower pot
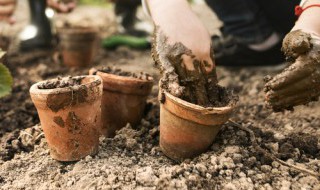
70,117
123,101
186,129
78,46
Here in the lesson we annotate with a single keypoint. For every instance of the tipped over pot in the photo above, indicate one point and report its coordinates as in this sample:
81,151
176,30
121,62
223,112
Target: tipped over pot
78,46
186,129
123,101
70,115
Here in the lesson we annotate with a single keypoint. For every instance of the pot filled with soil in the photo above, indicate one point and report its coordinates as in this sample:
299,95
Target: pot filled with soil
124,98
78,45
187,129
70,114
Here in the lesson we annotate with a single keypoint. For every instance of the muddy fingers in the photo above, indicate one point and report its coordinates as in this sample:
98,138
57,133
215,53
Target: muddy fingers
296,43
291,75
184,75
297,85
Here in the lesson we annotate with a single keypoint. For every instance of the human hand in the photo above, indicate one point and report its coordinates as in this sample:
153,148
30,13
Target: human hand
182,49
7,8
300,83
63,6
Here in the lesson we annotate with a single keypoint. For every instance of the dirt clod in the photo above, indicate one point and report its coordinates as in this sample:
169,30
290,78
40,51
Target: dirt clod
61,83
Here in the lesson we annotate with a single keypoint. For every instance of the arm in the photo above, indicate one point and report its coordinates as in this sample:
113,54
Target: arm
182,49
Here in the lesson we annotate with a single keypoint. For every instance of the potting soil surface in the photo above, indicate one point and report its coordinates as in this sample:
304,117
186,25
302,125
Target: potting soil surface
116,71
261,150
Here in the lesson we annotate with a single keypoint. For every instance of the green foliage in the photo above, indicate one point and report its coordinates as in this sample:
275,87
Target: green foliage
6,80
101,3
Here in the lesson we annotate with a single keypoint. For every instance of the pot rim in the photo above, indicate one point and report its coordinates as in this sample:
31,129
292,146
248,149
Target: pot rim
35,90
197,108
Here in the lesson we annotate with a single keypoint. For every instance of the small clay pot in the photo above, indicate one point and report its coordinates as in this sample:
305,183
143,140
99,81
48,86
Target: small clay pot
186,129
70,118
123,101
78,46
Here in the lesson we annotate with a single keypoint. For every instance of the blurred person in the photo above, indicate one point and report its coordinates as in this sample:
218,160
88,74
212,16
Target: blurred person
251,36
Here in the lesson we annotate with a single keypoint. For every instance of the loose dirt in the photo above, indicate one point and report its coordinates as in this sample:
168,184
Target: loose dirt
61,83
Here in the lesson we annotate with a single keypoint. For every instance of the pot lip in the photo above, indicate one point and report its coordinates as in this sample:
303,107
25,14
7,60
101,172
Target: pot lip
35,90
123,78
204,110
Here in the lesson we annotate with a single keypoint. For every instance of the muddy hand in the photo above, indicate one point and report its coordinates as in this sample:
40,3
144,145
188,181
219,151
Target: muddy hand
298,84
184,75
182,50
296,43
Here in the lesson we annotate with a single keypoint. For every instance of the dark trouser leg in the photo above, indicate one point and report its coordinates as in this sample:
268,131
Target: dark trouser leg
127,11
39,19
252,21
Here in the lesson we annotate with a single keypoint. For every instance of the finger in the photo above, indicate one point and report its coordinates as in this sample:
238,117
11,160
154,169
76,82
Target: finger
7,10
300,69
8,19
296,43
306,84
279,104
7,2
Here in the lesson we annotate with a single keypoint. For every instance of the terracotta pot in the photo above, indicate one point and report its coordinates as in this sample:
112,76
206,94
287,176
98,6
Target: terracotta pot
123,101
187,130
78,46
70,118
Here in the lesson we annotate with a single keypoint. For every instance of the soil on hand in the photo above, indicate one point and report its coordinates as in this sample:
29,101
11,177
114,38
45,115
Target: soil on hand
61,83
120,72
196,86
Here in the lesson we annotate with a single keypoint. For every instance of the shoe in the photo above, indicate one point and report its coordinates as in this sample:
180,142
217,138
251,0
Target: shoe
38,33
230,53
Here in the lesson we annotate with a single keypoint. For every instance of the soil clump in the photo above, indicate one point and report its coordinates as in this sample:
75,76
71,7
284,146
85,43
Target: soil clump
61,83
197,86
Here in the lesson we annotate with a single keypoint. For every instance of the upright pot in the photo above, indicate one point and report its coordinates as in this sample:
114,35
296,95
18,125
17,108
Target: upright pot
70,118
78,46
186,129
123,101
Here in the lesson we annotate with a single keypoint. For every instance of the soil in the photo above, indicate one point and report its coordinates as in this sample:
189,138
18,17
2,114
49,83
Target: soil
133,159
120,72
194,85
61,83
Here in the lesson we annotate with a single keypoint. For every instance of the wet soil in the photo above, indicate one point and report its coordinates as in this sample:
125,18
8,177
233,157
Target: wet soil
120,72
61,83
195,85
